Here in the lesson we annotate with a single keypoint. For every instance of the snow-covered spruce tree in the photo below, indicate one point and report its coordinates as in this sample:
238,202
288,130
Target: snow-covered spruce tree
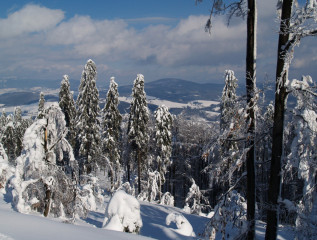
138,126
87,123
229,100
67,105
3,122
9,139
20,126
195,201
40,112
302,156
227,153
5,170
151,190
39,184
163,137
111,129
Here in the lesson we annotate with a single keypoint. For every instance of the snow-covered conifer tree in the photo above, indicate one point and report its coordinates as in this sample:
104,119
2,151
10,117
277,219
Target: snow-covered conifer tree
138,126
111,128
163,137
20,126
9,139
228,100
195,201
67,104
227,152
3,121
87,123
41,106
151,189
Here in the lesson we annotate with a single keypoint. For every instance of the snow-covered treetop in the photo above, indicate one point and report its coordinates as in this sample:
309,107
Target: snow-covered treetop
229,89
139,83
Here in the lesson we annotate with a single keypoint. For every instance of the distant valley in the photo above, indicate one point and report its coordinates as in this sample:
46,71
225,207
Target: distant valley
179,95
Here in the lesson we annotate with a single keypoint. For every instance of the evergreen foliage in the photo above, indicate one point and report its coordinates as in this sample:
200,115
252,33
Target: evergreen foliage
138,126
163,137
67,105
41,106
87,123
111,131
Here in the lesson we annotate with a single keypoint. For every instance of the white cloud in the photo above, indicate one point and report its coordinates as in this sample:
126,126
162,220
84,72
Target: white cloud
31,18
52,46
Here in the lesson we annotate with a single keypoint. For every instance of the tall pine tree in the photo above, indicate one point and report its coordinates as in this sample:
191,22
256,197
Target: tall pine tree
41,108
87,123
67,105
111,128
163,137
138,126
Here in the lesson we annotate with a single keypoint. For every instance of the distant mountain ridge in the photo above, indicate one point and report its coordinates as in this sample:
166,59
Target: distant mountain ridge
177,90
171,89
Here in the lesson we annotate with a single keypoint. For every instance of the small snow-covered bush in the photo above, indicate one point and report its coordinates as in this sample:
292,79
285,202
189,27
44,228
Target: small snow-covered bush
167,199
195,201
127,188
182,224
230,217
151,190
123,213
88,196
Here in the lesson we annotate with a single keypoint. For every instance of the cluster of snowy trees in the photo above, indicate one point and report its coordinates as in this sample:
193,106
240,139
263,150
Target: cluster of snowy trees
247,166
50,163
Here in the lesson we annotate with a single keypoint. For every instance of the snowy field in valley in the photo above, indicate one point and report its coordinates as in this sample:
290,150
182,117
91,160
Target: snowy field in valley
197,104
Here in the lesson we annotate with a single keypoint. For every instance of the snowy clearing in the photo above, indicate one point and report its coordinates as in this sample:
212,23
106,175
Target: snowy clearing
14,225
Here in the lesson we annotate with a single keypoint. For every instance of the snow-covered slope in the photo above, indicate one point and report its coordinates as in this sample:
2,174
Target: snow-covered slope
14,225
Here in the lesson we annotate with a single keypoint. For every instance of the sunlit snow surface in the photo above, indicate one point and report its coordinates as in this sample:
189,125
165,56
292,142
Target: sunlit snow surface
14,225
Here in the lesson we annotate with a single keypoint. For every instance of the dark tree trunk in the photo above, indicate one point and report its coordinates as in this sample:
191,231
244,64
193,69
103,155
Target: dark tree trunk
139,170
278,126
250,89
128,170
47,200
160,181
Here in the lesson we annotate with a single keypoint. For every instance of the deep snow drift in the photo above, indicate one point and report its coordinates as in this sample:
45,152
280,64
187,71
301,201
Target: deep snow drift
14,225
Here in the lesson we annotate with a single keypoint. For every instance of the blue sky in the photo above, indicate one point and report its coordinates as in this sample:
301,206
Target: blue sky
47,39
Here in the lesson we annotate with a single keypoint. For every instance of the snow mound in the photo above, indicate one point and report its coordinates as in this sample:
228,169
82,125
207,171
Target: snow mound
123,213
183,226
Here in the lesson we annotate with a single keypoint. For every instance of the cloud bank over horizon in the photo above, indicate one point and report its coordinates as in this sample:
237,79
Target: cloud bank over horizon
37,42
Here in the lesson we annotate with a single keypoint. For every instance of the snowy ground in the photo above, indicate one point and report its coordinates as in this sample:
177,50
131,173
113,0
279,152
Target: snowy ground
14,225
